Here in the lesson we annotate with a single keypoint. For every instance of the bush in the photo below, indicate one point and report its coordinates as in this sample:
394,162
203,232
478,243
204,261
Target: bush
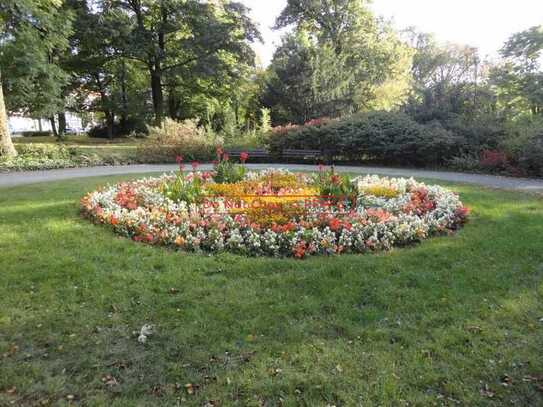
530,158
36,134
174,139
468,162
44,151
524,145
48,156
379,136
130,127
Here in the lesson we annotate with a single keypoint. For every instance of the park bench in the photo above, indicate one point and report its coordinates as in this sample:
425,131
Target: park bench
287,154
256,153
301,154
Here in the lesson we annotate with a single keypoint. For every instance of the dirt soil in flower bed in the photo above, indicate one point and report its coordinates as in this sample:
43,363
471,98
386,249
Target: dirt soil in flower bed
456,320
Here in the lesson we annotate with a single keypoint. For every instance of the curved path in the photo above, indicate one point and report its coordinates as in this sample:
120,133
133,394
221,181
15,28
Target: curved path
516,184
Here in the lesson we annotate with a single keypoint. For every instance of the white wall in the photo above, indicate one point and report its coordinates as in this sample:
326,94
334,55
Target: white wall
18,124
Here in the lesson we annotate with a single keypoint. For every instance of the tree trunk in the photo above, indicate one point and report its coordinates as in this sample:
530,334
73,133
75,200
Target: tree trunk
158,95
40,127
124,98
110,121
53,126
6,146
61,124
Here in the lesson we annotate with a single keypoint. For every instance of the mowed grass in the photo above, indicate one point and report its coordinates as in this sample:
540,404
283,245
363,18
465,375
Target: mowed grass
456,320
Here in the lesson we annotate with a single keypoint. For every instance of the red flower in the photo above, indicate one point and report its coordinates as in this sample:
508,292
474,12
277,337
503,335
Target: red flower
299,250
243,157
225,157
179,159
195,165
335,224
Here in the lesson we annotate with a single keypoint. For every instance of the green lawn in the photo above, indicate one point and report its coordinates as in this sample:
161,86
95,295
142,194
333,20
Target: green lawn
454,321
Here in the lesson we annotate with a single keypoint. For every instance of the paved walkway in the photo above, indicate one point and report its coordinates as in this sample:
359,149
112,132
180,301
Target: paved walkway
516,184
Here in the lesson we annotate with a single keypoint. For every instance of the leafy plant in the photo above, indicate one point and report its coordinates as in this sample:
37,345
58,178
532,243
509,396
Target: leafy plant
337,188
174,138
227,172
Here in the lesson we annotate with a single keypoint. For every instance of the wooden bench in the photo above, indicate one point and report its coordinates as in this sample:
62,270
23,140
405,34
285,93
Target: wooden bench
288,154
257,153
302,154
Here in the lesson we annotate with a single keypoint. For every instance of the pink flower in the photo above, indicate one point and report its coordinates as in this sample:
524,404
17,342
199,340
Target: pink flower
225,157
195,165
179,159
243,157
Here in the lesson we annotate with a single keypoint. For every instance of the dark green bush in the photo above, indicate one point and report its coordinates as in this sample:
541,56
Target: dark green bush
530,159
36,134
379,136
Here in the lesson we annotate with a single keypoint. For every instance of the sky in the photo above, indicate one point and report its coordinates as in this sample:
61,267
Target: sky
485,24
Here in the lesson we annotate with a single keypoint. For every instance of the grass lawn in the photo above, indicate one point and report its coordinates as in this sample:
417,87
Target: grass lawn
454,321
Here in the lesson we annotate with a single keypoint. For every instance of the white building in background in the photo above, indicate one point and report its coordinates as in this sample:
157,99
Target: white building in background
20,124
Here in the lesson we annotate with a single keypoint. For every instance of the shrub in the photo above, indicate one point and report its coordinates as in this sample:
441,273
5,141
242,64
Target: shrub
44,151
380,136
36,134
227,172
130,127
524,145
465,162
530,159
174,139
494,160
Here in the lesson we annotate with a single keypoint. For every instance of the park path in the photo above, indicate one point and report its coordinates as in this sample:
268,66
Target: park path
492,181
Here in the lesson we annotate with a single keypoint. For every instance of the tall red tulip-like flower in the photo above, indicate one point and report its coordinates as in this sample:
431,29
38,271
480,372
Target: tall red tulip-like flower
195,165
225,157
243,157
179,161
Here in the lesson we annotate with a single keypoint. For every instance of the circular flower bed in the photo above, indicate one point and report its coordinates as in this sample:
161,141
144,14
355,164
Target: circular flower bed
275,212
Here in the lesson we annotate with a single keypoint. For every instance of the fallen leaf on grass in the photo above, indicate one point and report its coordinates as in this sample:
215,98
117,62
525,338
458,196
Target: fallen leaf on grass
109,380
487,392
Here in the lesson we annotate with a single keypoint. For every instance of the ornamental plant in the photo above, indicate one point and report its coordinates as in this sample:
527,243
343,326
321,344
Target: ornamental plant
338,188
184,188
227,172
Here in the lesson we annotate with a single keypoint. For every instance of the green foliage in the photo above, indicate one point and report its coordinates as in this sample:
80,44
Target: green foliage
182,189
174,139
339,60
383,136
336,187
48,156
227,172
33,33
36,134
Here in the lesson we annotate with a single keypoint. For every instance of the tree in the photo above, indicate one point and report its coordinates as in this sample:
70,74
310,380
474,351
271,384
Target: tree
35,33
339,60
178,38
520,78
6,146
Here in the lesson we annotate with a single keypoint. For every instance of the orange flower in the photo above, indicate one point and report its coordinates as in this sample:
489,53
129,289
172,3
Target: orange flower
179,241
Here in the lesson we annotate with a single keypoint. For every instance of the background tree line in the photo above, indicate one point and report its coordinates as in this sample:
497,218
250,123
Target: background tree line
134,63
